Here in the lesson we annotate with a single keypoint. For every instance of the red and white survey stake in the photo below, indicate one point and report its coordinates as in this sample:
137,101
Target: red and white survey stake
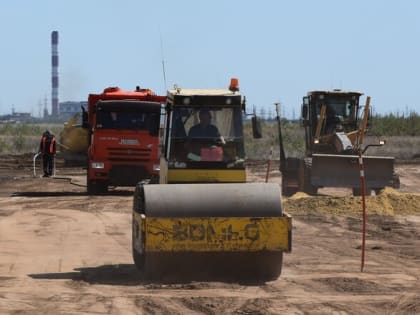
363,193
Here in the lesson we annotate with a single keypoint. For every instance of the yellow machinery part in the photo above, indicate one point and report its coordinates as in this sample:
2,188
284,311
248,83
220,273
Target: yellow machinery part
216,234
199,230
203,175
363,124
320,122
74,138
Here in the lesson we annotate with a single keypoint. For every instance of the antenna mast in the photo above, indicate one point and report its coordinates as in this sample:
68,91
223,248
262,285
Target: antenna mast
163,62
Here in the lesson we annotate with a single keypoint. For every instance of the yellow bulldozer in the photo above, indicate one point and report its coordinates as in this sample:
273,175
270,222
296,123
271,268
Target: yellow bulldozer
73,142
202,219
335,125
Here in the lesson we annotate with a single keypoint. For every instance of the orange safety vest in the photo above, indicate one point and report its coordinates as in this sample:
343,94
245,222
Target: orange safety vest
51,148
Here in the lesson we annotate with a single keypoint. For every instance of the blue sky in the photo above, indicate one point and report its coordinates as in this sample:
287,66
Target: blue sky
278,49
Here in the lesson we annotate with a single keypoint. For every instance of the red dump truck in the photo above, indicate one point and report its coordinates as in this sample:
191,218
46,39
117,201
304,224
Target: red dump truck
123,138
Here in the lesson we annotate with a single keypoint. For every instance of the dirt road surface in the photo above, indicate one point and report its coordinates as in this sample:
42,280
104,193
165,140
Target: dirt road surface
63,252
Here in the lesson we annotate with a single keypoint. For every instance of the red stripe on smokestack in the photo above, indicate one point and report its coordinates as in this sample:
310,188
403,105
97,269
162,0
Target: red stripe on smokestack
54,74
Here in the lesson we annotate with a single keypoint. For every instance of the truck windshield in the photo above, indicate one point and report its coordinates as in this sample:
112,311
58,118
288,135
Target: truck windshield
206,134
130,120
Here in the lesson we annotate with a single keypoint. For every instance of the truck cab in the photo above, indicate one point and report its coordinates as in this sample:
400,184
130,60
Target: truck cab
124,138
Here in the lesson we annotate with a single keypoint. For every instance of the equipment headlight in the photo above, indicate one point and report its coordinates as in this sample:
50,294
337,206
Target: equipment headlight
156,167
187,101
97,165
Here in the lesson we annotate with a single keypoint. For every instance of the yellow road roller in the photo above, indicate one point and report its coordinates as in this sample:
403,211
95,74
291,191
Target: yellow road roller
202,219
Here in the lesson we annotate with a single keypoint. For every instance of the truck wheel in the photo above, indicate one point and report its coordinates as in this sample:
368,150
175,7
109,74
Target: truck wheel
90,187
95,188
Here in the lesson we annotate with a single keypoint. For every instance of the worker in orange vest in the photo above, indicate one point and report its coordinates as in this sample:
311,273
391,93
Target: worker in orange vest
47,149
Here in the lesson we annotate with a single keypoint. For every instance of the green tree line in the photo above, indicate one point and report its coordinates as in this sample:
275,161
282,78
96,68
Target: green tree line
396,125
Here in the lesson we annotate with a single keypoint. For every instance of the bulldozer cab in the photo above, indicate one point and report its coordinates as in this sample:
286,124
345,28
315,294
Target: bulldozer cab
203,137
341,115
334,133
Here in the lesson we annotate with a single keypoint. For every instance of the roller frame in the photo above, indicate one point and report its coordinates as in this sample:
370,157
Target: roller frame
254,244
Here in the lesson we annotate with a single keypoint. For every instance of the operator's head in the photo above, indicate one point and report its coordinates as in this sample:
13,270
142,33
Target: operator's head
205,117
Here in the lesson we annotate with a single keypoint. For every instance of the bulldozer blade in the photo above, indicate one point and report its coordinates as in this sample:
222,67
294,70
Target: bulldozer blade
329,170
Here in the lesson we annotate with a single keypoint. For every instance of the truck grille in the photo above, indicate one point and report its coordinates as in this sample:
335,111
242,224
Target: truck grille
129,154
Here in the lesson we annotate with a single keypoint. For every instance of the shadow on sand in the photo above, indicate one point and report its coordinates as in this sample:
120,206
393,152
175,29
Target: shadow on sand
129,275
67,193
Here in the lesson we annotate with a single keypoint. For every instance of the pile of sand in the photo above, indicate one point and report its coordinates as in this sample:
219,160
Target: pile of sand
388,202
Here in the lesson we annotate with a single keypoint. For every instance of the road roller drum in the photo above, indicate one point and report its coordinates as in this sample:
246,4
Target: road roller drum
210,230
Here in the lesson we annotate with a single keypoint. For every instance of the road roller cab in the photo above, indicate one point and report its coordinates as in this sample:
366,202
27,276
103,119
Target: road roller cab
203,139
207,221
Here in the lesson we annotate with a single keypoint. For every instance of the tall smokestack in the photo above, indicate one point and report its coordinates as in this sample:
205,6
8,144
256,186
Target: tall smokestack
54,73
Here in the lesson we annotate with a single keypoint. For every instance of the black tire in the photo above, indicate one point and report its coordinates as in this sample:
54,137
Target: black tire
396,181
287,190
96,188
90,187
358,191
305,184
290,177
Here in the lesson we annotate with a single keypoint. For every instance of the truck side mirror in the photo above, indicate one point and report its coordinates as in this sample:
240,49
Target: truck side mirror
256,127
85,122
304,112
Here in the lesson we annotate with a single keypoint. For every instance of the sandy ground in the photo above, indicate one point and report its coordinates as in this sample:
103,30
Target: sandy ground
62,252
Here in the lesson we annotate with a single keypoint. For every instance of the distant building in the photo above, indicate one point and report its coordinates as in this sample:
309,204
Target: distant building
69,109
16,117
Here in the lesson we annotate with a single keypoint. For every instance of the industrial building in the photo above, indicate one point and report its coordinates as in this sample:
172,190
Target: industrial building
70,108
